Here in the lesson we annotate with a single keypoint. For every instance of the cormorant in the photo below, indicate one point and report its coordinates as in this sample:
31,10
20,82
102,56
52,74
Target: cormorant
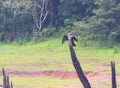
70,38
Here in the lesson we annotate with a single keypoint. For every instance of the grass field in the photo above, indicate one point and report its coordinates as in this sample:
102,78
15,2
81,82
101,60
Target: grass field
51,55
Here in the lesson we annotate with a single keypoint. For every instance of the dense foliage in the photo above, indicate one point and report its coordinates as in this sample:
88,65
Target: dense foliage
91,20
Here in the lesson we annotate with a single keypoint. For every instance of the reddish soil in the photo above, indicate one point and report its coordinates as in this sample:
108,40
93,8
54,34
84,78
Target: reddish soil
100,74
93,77
56,74
44,74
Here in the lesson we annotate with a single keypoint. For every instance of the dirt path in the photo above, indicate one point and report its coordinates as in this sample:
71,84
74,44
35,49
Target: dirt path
57,74
95,78
43,74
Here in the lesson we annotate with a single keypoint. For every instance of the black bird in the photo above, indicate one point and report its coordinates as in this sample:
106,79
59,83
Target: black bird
70,38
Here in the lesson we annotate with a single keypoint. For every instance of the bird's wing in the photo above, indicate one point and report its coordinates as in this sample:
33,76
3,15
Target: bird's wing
65,37
75,38
72,41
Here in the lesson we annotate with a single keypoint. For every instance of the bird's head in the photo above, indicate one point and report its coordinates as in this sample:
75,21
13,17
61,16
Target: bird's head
68,34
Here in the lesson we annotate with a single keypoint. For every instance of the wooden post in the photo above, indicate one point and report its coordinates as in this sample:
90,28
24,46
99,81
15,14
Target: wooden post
78,68
6,81
4,78
113,74
11,85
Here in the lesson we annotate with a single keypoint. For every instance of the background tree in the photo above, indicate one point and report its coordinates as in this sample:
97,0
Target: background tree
92,20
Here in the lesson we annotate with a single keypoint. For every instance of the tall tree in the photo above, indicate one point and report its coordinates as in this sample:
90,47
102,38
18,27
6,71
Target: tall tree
39,11
37,8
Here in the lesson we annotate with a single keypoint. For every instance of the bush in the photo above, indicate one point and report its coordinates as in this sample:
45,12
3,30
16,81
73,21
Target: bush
37,37
50,31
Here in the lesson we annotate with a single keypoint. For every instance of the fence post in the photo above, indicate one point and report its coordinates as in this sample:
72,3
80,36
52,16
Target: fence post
6,81
4,78
78,68
11,85
113,74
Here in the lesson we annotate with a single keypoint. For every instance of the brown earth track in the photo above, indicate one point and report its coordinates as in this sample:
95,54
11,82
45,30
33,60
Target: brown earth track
56,74
95,78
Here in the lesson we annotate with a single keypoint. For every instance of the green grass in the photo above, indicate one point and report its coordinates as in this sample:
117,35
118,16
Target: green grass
52,55
47,55
26,82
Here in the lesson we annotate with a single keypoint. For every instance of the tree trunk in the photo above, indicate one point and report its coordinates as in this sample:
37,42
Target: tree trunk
78,68
113,74
40,18
6,81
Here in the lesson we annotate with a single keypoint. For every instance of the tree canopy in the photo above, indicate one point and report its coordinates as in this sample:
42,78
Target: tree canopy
92,20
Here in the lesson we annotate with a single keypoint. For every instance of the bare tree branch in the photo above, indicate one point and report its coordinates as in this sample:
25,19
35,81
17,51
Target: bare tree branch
38,10
44,13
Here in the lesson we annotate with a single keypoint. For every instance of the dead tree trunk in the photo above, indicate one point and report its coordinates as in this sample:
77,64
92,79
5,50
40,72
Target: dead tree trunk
78,68
11,85
113,74
40,18
6,81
